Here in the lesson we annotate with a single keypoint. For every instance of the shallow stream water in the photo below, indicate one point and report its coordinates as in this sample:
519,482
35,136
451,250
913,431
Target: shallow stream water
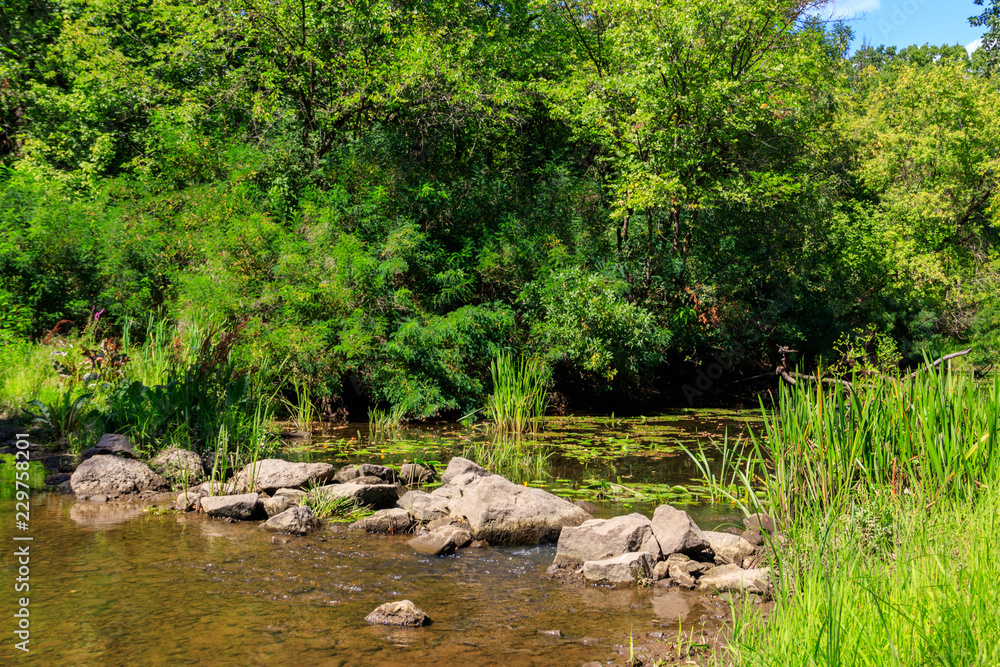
113,585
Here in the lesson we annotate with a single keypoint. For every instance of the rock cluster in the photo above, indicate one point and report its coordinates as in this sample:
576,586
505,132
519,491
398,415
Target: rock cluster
669,548
475,507
472,508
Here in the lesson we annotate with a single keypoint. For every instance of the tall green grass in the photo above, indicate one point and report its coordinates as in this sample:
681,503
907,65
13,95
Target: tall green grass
520,396
936,434
384,421
889,500
301,410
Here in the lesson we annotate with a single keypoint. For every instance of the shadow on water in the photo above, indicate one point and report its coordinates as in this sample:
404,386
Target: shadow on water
112,584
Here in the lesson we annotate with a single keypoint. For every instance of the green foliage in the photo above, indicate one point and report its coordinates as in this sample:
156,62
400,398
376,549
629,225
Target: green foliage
990,48
67,415
325,505
586,320
519,461
388,195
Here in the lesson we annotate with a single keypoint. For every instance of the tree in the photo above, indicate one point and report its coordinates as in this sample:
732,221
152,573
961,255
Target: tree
693,105
989,19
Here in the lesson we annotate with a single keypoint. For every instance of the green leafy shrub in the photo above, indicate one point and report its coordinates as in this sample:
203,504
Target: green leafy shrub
586,320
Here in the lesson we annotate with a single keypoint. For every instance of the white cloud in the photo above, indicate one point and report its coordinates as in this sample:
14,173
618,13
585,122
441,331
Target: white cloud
847,9
974,45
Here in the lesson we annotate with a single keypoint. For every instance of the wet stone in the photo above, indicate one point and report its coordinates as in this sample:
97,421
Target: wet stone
432,544
240,507
296,521
403,613
390,521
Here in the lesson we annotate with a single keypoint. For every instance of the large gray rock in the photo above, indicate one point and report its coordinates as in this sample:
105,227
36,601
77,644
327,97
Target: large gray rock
728,548
377,496
598,539
676,532
726,578
240,507
423,506
628,568
269,475
114,477
296,521
111,444
414,473
180,466
462,471
402,612
501,512
393,521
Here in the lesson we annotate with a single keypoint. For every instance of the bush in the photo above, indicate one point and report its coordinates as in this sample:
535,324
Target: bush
584,319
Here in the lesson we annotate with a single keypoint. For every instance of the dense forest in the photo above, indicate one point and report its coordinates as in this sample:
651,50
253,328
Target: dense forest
387,194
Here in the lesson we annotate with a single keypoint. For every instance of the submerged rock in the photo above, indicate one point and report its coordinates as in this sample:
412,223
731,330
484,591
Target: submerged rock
269,475
180,466
676,532
459,536
239,507
628,568
598,539
296,521
433,544
402,612
114,477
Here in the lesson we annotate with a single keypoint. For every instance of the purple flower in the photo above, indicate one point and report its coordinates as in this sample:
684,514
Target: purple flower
98,314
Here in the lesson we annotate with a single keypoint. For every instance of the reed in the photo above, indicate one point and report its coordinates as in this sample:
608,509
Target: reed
301,410
519,399
382,421
889,496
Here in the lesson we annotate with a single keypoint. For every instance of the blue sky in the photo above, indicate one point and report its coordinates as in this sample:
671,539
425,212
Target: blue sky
905,22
